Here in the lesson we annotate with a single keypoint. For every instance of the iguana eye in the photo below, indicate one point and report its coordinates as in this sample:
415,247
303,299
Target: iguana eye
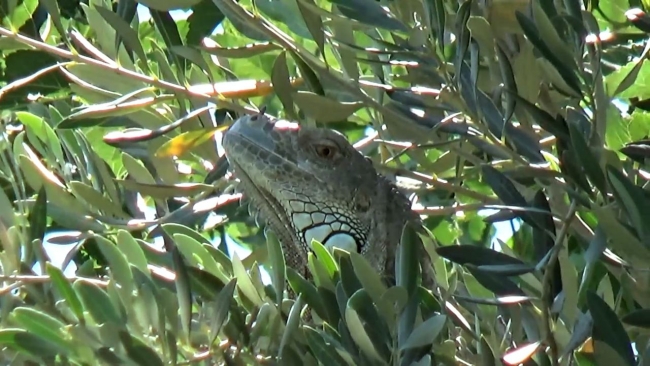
325,151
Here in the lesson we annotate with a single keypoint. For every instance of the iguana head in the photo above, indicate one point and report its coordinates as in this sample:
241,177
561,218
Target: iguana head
311,183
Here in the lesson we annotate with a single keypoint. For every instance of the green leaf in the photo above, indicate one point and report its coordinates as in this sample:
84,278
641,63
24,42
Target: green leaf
285,12
472,254
426,333
278,265
375,327
119,266
638,318
605,355
532,32
548,32
293,324
137,170
507,192
324,351
482,33
196,254
407,267
490,113
508,77
97,303
407,273
96,200
183,288
124,33
138,351
204,19
220,309
621,239
319,272
498,284
167,5
330,303
42,325
19,14
309,292
7,217
244,282
631,80
37,216
369,12
349,279
44,132
556,126
193,55
325,257
634,200
230,10
32,344
608,329
323,109
131,250
65,290
587,158
360,336
281,82
392,303
52,7
368,277
37,176
314,24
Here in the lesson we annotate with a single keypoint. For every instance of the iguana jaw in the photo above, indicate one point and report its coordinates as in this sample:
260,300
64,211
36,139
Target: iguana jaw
273,214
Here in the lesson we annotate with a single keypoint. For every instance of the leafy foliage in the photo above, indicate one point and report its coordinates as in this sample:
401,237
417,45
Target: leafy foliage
537,110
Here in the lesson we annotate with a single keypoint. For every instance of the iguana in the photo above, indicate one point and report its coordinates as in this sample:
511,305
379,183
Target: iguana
310,182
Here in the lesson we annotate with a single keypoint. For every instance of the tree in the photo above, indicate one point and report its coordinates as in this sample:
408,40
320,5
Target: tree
536,110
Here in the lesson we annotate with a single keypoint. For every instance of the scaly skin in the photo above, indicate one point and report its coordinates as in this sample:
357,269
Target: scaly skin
311,183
